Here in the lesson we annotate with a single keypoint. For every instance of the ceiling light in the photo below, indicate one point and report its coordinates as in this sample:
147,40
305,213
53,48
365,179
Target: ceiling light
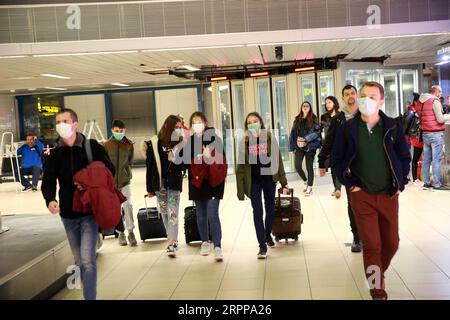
32,89
120,84
304,69
259,74
219,78
11,57
442,63
50,75
192,48
177,61
12,90
190,67
82,53
55,88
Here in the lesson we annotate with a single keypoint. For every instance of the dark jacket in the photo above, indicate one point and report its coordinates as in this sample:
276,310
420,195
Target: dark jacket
121,154
193,148
244,170
62,164
327,145
395,147
302,130
171,174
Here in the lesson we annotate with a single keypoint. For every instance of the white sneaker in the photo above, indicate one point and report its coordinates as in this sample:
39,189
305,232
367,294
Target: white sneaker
204,251
308,191
218,254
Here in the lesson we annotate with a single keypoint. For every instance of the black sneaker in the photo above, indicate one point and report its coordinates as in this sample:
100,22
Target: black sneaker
262,253
356,246
27,188
441,188
34,188
269,241
427,186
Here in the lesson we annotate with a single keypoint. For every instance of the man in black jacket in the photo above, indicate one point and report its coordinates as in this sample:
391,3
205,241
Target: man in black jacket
349,95
71,155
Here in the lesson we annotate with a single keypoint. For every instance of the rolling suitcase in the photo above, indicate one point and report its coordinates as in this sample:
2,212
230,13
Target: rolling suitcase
150,223
288,217
190,225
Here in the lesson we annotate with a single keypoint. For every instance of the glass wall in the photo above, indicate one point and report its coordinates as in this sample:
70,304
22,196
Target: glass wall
399,85
307,90
224,104
263,106
281,120
326,87
239,110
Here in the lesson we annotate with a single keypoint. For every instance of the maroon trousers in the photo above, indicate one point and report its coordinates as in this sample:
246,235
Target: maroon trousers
377,220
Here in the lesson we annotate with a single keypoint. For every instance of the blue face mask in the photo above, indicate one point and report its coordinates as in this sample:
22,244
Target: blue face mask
118,136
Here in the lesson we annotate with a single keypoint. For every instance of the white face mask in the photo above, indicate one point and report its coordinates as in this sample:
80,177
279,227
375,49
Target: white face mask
64,130
198,127
367,106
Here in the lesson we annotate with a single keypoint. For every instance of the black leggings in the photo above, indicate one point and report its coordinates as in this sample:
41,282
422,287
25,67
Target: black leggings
299,155
416,156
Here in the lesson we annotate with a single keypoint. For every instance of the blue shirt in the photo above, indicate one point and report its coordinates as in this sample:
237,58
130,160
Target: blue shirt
31,157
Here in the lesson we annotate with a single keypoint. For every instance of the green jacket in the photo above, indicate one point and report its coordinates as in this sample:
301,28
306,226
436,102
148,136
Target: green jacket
244,170
121,154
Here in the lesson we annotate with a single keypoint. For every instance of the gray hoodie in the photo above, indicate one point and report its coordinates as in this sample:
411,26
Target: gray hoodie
437,107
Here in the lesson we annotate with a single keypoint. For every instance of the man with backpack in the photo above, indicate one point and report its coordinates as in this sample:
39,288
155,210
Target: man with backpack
432,124
73,153
371,157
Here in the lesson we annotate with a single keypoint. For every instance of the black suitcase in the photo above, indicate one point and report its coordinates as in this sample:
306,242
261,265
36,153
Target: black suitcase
288,217
190,225
150,223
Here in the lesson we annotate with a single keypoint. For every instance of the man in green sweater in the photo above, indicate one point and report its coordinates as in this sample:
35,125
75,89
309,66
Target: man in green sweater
120,150
371,157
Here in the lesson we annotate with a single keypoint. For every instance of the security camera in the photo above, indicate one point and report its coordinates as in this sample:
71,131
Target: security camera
279,53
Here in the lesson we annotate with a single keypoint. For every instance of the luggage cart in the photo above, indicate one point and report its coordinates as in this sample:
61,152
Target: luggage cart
9,151
92,127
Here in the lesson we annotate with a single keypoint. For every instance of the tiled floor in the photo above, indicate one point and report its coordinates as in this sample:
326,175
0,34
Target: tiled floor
319,266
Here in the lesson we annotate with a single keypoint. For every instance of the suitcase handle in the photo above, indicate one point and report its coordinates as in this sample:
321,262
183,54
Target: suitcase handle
291,192
146,207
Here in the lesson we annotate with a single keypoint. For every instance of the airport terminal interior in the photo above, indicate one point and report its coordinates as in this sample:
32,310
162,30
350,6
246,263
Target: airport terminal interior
142,61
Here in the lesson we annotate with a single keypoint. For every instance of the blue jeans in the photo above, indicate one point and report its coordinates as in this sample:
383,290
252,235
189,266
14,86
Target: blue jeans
82,234
34,171
208,213
263,228
432,154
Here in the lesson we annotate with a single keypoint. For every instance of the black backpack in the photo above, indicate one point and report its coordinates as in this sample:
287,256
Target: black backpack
410,122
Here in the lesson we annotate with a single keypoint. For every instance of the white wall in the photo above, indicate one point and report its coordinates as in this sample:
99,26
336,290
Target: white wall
175,101
88,107
8,116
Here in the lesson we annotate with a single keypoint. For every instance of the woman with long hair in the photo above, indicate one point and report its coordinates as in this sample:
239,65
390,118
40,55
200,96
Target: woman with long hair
332,111
164,178
259,169
304,141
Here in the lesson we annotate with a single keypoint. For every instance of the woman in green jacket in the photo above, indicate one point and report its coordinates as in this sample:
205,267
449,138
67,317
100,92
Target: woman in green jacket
259,169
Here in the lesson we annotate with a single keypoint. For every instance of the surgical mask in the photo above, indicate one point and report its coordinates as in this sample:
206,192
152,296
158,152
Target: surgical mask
64,130
118,135
367,106
198,127
254,127
179,131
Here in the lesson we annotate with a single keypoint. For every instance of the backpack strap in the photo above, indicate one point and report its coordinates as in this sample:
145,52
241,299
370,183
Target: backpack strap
88,149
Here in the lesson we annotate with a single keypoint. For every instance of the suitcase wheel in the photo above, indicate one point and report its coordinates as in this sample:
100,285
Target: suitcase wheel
277,239
286,240
296,238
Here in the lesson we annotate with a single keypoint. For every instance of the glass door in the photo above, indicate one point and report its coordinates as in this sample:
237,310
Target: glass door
239,114
225,122
263,106
307,90
326,88
391,93
281,119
